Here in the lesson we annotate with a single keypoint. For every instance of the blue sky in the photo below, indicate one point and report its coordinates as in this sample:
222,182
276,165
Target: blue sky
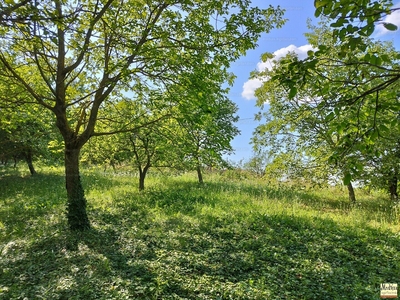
289,37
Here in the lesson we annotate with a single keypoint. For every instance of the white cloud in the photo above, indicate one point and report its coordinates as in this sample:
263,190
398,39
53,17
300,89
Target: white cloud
393,18
251,85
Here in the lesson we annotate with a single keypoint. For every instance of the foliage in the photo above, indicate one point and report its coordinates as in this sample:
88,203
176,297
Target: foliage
355,56
258,162
179,240
22,136
351,21
314,132
185,128
82,56
205,135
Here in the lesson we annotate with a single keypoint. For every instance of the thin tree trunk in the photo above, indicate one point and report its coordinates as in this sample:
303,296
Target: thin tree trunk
76,205
352,195
29,161
142,177
393,187
199,174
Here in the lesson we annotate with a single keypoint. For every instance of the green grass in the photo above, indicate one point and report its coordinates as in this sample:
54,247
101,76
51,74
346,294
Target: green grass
225,239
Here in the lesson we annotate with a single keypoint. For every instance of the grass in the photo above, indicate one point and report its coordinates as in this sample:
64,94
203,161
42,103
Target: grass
226,239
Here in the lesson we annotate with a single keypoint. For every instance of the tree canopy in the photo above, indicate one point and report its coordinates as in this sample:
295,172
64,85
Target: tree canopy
83,55
312,128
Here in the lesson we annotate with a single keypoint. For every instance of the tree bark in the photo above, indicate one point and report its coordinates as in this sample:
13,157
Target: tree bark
142,177
76,203
352,195
199,174
29,161
393,188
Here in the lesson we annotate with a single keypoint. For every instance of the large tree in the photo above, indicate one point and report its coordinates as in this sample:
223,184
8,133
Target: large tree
85,51
306,123
369,75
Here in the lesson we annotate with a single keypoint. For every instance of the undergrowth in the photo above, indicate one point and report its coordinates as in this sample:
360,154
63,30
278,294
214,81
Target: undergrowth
225,239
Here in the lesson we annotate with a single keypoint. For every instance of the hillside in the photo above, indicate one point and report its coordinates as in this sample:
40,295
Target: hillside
226,239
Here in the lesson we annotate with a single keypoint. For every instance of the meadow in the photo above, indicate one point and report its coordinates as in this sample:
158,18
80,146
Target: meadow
231,238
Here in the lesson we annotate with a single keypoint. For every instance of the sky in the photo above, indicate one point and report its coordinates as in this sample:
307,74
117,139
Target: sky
290,37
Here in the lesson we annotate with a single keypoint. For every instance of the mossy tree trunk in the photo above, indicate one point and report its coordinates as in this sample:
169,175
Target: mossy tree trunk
76,203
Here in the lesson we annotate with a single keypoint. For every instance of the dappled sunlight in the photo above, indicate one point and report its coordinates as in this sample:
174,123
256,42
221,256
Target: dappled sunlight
237,239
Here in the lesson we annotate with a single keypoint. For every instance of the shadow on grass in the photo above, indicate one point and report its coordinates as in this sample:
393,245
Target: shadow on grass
24,199
156,245
84,265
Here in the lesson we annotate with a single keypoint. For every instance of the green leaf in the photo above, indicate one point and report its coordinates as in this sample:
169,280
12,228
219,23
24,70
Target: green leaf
320,3
293,92
337,24
369,29
385,58
359,167
337,111
374,135
330,116
390,26
383,128
322,47
266,56
373,59
318,12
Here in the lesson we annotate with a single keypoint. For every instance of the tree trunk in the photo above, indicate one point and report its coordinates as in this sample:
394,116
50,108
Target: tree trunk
142,176
352,195
393,187
76,205
199,175
29,161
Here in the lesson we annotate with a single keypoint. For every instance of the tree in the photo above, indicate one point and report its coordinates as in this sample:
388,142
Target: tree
382,169
307,121
193,125
352,24
151,147
148,146
205,135
85,51
298,137
25,132
257,164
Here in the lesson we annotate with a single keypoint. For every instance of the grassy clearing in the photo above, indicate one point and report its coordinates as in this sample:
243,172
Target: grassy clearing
178,240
